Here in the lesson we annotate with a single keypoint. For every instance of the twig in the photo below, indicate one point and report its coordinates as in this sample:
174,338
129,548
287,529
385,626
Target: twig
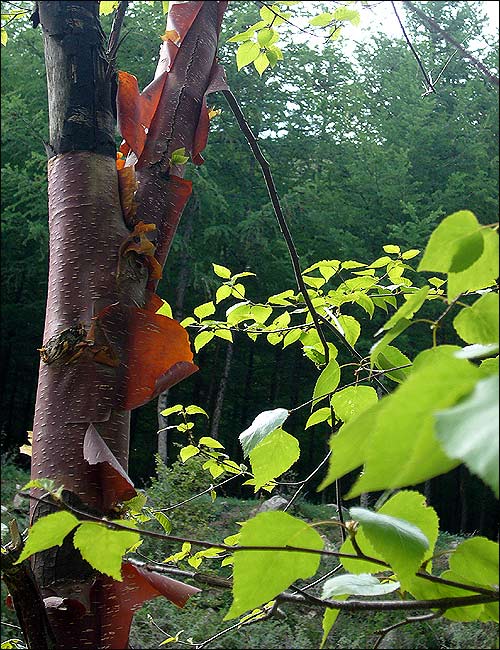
491,594
273,194
209,489
410,619
433,26
254,618
428,82
303,597
278,15
351,349
306,480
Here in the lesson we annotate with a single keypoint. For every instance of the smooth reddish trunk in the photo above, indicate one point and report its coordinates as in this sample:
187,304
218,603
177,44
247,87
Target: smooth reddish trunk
108,243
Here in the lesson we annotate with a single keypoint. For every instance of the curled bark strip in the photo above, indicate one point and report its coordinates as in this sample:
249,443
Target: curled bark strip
122,599
116,485
217,83
135,110
127,182
157,351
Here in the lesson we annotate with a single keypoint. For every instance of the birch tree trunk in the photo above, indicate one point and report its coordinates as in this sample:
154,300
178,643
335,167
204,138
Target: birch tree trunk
106,350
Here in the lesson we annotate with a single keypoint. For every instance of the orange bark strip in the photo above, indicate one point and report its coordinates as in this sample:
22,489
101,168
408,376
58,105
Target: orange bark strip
128,185
156,356
217,83
136,110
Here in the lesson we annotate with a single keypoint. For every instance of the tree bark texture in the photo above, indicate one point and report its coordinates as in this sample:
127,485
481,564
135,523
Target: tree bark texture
219,402
106,350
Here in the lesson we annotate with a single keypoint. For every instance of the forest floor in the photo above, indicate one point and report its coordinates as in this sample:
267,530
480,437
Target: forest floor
202,618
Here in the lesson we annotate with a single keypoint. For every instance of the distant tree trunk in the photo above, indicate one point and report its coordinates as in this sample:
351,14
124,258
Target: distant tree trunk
219,402
275,375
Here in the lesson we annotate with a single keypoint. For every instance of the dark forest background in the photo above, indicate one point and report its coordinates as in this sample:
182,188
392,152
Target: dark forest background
360,159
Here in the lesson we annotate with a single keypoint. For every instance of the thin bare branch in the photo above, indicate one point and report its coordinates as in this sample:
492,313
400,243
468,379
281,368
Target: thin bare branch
428,82
491,594
407,621
431,24
273,194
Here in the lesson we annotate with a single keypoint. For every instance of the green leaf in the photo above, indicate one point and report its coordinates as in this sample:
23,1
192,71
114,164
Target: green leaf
479,323
478,351
47,484
469,431
226,335
391,248
349,445
104,548
264,424
265,36
322,20
351,328
165,310
48,531
408,308
365,302
221,271
259,576
318,416
242,36
202,339
107,7
329,618
223,292
389,358
188,452
238,291
273,456
328,380
164,6
410,254
4,36
343,13
137,503
192,409
403,449
408,505
282,298
210,442
469,250
246,53
164,522
402,544
473,562
483,273
393,333
260,313
239,312
172,409
362,584
204,310
353,400
476,561
213,467
450,244
178,157
291,337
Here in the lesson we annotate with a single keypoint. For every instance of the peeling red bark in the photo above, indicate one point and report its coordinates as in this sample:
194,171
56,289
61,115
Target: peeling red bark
101,286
